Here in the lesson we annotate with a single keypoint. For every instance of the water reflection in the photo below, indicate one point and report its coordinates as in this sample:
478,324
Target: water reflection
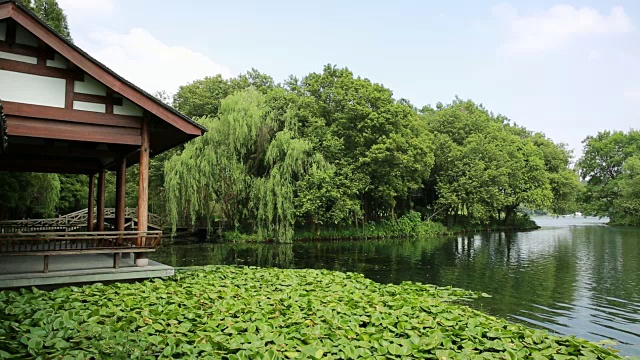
573,276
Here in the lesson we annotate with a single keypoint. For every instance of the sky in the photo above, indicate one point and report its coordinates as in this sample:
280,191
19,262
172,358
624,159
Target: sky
565,68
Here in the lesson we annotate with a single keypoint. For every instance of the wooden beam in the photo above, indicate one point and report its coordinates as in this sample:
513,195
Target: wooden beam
70,115
116,260
26,50
96,70
71,151
143,188
121,186
101,176
44,53
35,69
20,164
5,11
90,205
48,129
97,99
43,169
61,125
112,101
68,92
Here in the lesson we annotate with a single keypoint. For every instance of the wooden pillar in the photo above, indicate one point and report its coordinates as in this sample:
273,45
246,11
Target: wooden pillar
143,190
90,205
100,210
120,193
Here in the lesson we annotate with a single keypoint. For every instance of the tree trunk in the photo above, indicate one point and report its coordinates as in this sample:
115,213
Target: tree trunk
508,213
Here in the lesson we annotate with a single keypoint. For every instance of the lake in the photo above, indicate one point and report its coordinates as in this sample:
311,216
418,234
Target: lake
574,276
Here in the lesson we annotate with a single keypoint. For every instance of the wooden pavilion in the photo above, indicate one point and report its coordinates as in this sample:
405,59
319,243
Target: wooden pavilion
62,111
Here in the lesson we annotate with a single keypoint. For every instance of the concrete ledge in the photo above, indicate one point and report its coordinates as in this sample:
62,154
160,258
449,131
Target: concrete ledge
25,271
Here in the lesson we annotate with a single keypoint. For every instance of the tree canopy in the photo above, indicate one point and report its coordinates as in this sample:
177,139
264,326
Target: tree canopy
333,149
609,167
244,170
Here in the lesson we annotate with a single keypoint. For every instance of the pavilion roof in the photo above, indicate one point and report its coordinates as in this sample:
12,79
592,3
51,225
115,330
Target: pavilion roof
100,65
69,140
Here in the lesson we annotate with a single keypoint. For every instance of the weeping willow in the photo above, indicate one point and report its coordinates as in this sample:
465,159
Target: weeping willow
243,171
28,195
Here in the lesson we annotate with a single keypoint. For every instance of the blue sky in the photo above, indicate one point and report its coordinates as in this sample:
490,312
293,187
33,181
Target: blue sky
568,69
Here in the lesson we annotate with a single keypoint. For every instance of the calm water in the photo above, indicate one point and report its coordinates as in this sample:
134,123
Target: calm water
573,276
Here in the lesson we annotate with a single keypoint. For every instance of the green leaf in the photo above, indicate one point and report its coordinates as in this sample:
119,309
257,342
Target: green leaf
35,343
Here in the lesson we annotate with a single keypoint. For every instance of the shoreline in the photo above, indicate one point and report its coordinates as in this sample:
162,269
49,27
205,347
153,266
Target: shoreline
298,237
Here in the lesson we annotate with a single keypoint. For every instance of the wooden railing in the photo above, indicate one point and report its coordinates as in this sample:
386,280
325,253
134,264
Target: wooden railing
68,241
73,221
110,213
35,225
76,243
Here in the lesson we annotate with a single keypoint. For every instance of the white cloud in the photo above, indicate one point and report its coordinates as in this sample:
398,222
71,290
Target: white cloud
71,5
632,95
593,55
147,62
558,26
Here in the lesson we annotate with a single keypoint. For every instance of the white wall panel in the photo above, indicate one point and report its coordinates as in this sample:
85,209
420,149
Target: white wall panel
17,57
32,89
58,62
128,108
90,86
87,106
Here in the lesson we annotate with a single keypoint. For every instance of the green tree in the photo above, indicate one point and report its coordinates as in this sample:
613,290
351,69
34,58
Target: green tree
363,131
564,181
203,97
627,205
28,195
51,13
333,149
602,164
485,166
243,171
73,193
328,197
493,173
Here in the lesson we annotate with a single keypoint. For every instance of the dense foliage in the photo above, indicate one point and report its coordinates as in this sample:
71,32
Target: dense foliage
355,157
611,168
244,169
254,313
25,194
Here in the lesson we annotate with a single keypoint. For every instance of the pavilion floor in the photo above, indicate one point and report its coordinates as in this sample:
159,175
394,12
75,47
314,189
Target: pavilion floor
26,271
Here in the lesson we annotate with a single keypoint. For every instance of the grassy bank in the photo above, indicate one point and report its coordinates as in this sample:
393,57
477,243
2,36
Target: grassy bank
409,225
254,313
406,226
383,230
